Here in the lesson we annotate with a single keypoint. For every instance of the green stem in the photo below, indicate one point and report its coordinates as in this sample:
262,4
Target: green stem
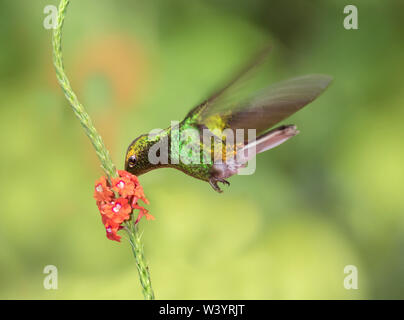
102,152
135,240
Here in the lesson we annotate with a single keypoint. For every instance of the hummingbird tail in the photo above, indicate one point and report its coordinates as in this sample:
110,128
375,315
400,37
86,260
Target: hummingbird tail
269,140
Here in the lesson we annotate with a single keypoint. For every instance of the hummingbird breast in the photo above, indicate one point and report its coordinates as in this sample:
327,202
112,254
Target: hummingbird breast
225,170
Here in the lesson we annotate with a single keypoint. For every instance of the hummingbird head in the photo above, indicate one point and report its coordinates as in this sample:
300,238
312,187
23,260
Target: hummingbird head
136,160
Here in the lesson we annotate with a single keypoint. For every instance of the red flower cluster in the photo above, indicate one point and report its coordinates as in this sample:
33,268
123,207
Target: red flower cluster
117,207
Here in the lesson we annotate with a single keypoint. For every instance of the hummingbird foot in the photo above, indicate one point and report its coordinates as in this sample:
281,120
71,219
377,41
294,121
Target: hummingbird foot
213,182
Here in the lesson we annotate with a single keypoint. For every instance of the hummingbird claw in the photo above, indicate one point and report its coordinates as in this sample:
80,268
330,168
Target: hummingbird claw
224,182
213,182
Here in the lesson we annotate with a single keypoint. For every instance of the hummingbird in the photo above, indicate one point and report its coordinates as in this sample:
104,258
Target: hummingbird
221,117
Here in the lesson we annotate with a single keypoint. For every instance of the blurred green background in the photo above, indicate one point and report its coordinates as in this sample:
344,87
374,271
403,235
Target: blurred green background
331,197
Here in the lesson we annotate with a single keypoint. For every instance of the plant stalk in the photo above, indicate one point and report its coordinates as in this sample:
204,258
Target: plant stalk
98,144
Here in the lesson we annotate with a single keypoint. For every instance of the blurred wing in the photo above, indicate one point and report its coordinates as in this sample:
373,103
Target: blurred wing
242,78
273,104
232,108
230,94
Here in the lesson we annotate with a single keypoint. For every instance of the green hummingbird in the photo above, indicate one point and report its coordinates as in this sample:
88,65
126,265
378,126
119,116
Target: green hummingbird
220,144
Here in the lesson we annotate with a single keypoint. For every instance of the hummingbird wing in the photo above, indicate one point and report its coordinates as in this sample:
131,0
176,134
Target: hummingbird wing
235,108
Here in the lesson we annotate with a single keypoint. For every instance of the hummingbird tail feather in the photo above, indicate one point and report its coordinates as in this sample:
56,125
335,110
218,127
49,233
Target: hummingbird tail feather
269,140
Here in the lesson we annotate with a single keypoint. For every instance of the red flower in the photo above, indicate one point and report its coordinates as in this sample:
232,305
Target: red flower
114,211
118,209
138,192
112,233
143,213
101,190
126,174
124,186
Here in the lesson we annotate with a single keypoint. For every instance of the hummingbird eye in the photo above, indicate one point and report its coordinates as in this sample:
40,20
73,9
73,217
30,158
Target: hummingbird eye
132,161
